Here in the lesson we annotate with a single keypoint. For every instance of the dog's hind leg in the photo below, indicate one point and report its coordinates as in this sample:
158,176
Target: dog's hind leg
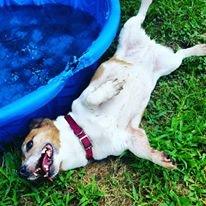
141,15
132,37
143,10
134,23
139,145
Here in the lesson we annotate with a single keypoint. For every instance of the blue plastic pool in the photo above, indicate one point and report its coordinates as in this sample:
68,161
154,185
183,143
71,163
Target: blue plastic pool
54,96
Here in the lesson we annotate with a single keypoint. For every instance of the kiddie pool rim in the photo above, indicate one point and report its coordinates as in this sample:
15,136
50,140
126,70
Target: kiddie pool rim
40,97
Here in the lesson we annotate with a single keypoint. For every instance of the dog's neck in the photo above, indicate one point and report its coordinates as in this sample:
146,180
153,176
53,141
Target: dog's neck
71,152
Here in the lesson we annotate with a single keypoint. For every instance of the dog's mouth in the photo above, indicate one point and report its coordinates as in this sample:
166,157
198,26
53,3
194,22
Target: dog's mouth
45,162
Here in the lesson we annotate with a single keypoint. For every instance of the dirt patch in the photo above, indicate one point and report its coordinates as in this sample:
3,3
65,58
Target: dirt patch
111,178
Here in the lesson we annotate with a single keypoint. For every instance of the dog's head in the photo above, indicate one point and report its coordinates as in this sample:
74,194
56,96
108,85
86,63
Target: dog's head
41,151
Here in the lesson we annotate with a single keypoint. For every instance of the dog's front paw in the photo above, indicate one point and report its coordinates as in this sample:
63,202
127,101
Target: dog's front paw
117,86
200,49
167,162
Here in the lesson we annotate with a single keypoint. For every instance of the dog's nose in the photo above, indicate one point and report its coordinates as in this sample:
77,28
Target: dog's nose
24,172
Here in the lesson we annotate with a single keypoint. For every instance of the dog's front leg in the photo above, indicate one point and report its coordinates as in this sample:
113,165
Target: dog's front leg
103,93
139,145
168,61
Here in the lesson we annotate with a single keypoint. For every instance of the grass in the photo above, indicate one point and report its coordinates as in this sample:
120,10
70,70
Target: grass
174,121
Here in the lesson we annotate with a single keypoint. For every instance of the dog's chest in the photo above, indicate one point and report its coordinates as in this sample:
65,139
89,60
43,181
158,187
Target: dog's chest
133,97
131,100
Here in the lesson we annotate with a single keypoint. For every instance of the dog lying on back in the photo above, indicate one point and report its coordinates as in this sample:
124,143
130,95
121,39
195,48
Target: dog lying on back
105,119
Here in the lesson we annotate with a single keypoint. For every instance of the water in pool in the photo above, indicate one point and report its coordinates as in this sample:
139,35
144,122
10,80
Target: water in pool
36,43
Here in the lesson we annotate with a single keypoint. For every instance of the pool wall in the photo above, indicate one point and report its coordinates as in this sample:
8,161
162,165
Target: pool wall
56,97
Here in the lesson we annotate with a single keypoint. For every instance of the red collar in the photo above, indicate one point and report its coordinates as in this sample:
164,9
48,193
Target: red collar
79,132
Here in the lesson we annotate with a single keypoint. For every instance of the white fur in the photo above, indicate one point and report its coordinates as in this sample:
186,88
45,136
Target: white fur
111,107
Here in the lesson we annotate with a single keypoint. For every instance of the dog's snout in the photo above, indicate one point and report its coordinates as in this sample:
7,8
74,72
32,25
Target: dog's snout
24,171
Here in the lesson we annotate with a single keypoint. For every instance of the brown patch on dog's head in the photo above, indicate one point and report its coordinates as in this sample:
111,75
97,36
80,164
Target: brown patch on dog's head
43,138
47,127
114,195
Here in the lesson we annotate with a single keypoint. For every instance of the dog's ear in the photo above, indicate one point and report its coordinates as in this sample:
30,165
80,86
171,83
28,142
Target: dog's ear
36,123
40,122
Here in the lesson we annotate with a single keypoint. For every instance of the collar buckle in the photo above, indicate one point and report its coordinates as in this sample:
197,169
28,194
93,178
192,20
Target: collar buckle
88,148
82,138
80,133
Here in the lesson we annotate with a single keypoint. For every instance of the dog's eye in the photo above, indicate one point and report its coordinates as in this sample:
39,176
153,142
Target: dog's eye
29,145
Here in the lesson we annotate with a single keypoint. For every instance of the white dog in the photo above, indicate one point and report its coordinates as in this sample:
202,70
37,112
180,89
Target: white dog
105,119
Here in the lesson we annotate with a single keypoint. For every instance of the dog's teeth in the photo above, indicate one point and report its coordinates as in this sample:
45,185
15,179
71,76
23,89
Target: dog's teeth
38,169
46,175
44,150
50,179
35,174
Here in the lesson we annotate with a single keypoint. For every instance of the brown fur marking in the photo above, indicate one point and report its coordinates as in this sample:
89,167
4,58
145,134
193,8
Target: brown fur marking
120,61
98,73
